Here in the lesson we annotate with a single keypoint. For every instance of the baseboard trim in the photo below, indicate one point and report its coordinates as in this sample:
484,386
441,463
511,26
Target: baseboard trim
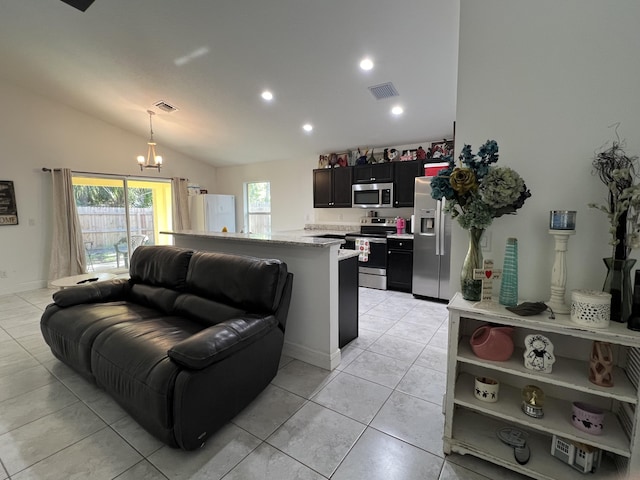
23,287
314,357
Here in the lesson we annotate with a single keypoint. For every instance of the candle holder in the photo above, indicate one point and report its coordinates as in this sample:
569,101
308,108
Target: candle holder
559,273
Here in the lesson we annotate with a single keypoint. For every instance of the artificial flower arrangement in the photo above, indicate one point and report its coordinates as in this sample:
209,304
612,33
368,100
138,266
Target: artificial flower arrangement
618,171
476,192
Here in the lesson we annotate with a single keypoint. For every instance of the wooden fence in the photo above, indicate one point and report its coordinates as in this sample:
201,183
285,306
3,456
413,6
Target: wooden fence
102,227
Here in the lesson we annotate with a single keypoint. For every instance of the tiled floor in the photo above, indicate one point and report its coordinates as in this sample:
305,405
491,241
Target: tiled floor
378,416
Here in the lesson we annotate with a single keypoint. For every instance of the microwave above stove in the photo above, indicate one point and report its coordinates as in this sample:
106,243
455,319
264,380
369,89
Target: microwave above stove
372,195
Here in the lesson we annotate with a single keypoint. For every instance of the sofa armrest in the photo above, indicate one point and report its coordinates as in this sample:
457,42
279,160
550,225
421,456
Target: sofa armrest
107,291
216,343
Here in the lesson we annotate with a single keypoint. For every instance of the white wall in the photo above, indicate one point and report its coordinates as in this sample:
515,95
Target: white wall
545,79
291,192
35,133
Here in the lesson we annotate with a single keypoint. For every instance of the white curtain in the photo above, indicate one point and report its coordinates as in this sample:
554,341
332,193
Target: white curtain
67,249
180,204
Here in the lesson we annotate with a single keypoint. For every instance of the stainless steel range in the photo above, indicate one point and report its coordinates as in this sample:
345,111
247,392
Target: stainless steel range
373,265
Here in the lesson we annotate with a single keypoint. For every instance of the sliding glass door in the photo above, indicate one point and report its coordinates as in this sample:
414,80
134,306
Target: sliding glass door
117,215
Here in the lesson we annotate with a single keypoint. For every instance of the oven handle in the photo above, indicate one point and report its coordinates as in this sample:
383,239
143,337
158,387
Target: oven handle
371,239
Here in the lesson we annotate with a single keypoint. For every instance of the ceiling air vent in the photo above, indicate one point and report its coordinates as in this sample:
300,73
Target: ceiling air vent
384,90
165,107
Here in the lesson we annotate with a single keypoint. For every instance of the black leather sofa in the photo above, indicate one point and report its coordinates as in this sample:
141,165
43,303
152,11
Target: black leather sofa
183,345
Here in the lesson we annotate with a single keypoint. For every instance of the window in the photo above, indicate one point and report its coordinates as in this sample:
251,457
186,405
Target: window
258,207
117,215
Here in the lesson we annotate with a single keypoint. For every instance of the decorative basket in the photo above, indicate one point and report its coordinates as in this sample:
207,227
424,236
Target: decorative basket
591,308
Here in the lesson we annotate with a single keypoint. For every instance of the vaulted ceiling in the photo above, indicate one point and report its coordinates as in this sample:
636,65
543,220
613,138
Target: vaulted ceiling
213,58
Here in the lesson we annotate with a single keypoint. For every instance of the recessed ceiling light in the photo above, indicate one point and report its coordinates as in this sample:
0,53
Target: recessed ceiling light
307,127
366,64
397,110
267,95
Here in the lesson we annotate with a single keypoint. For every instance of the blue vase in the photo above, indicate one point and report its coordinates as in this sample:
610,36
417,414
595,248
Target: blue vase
509,285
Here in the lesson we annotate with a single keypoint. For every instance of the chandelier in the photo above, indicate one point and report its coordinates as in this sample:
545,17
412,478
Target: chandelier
152,160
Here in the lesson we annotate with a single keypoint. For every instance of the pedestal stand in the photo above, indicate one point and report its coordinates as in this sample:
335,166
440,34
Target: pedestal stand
559,272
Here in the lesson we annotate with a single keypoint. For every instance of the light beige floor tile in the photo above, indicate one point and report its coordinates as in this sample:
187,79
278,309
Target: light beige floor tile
347,355
454,462
433,357
389,311
137,436
375,323
377,456
302,379
4,336
424,383
17,362
103,455
23,330
268,411
353,397
317,437
223,451
141,471
378,368
35,441
30,406
106,408
267,463
412,420
412,331
397,347
24,381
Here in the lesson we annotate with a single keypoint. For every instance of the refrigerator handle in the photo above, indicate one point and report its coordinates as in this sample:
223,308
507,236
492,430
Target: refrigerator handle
438,226
441,227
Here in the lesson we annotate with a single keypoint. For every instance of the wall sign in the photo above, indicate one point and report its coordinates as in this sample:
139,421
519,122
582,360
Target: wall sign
8,207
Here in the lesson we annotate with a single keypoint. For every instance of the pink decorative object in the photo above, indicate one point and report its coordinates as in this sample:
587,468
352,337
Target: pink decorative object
492,343
587,418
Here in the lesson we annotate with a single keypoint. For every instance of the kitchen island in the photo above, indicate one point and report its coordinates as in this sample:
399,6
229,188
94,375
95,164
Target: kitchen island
312,326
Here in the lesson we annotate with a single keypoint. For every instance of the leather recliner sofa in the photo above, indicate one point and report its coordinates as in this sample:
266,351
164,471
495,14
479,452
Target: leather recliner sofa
183,345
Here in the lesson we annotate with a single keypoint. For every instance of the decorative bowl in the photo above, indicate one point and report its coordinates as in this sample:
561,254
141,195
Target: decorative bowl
590,308
587,418
492,343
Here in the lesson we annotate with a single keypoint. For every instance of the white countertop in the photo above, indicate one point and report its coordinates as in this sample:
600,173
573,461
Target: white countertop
282,238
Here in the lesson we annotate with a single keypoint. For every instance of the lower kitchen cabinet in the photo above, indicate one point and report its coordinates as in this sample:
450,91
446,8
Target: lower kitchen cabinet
347,300
471,423
399,264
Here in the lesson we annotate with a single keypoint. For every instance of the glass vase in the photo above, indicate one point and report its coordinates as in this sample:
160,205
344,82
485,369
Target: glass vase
472,289
618,284
509,283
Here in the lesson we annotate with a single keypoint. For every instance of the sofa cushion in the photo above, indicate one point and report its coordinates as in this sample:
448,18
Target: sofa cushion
160,298
220,341
252,284
108,291
208,312
160,266
71,332
130,361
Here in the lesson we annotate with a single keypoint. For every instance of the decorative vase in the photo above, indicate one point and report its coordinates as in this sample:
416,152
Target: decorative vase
618,284
492,343
601,364
472,289
509,284
634,319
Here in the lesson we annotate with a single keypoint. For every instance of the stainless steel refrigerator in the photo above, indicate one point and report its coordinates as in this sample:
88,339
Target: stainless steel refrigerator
431,244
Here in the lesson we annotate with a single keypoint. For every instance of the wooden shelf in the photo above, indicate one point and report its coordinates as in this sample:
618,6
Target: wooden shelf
567,372
476,434
556,420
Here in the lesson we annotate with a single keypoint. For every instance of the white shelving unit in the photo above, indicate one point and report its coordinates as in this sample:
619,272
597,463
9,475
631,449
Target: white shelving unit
471,425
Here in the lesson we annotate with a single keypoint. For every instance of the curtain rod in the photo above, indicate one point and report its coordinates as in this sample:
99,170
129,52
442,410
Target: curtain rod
45,169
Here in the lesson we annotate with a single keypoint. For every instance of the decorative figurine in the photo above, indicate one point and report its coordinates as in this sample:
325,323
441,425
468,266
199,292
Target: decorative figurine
371,158
421,153
538,354
533,401
362,159
385,155
487,274
393,155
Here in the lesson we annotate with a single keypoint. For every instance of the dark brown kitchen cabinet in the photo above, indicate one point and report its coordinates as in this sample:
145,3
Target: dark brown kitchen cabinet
347,300
373,173
405,174
332,187
400,264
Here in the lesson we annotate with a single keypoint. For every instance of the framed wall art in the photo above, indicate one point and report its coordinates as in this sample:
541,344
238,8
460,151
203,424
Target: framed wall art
8,207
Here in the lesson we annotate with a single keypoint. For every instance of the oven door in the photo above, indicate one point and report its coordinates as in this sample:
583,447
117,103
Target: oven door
376,264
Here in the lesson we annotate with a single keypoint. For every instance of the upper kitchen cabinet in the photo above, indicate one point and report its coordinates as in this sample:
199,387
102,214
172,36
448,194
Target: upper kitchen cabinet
332,187
373,173
405,174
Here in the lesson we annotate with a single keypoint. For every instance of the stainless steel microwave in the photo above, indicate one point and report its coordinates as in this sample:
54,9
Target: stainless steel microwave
372,195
